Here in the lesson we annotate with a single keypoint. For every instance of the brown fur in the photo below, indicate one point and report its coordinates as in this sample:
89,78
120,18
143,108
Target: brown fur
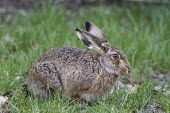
77,73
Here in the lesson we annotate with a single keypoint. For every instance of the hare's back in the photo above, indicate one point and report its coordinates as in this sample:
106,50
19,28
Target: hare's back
72,64
66,55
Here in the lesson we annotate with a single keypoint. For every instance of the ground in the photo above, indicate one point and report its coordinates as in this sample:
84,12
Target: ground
142,31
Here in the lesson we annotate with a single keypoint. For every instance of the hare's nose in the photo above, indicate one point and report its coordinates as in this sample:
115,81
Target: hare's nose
129,70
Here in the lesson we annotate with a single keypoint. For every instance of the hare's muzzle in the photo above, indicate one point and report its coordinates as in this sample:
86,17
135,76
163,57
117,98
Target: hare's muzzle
129,70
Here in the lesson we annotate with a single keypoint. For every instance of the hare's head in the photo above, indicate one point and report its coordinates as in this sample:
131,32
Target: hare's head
110,57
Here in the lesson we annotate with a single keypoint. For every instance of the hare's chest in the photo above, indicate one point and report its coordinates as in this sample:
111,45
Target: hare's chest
105,84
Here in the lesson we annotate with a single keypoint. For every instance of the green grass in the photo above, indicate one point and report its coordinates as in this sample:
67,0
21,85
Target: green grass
143,32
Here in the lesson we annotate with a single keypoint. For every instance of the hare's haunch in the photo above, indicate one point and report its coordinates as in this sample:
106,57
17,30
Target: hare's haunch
77,73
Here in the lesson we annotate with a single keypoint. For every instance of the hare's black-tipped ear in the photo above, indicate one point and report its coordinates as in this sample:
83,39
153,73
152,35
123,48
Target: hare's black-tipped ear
82,37
89,40
95,31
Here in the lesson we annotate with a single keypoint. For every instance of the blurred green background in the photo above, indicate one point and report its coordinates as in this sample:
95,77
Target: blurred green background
141,28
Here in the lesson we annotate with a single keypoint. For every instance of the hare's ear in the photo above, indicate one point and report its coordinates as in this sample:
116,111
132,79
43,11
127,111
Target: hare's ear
91,41
95,31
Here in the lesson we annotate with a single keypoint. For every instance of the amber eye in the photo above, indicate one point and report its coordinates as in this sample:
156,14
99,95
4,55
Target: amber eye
115,56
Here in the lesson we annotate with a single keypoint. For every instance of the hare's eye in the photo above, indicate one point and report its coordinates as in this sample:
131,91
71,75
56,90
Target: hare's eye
115,56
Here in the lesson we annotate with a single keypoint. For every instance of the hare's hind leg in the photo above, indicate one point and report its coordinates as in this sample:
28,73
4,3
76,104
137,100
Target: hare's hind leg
44,79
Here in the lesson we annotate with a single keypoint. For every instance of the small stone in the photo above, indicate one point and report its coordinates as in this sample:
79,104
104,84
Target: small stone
3,100
17,78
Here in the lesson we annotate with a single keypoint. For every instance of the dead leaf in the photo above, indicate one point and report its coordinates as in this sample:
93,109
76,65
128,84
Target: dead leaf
9,39
162,86
159,75
17,78
132,87
159,88
149,108
3,100
152,108
134,80
167,93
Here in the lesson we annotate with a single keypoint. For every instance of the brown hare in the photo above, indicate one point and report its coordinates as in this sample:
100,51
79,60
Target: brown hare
77,73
